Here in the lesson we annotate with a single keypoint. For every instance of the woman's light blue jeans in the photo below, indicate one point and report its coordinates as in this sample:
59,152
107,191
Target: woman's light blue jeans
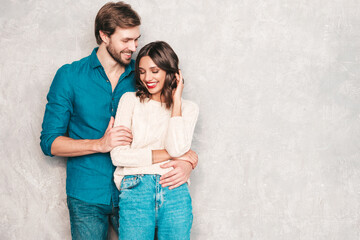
148,210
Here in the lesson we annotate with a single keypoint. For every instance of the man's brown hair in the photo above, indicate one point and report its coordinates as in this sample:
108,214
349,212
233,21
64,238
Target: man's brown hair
113,15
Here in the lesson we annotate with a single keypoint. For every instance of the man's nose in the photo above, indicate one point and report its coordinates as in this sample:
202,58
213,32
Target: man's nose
132,46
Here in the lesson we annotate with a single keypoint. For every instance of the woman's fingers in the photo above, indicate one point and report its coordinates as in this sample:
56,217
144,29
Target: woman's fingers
180,80
180,75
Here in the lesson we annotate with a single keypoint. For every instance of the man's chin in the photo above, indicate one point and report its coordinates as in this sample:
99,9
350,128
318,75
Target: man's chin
126,61
123,61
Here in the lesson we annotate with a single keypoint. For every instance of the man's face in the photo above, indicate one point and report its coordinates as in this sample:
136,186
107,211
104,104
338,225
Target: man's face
123,43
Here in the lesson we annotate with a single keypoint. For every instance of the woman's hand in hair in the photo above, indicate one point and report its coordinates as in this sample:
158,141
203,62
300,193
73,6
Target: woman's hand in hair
177,92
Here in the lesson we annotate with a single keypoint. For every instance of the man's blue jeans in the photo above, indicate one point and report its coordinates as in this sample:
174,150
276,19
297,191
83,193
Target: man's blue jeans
91,221
146,208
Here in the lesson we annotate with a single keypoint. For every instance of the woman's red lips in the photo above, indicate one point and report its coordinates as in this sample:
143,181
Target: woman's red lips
151,84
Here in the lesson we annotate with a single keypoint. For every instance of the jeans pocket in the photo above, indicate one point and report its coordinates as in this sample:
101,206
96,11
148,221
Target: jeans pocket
129,181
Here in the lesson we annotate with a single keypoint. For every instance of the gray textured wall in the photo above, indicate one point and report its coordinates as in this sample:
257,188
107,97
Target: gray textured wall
278,137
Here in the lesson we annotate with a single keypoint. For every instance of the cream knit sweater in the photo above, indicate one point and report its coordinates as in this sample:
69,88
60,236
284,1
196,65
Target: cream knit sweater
153,128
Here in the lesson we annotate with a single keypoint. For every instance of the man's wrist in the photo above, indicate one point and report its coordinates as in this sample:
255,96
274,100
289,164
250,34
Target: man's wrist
185,160
96,146
192,165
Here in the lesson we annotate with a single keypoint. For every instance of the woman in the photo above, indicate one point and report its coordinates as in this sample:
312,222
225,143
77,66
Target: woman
162,125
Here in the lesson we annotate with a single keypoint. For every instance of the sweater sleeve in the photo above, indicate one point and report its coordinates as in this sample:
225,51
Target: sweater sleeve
124,156
181,129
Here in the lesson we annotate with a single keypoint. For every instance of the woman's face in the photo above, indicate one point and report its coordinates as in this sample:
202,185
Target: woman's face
152,76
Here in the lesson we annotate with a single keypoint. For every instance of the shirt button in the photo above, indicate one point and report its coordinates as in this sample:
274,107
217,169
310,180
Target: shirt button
112,98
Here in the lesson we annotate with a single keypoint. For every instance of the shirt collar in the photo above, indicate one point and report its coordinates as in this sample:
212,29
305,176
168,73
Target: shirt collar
94,62
130,67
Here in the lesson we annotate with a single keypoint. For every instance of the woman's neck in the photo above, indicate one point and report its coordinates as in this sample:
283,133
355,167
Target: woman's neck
156,97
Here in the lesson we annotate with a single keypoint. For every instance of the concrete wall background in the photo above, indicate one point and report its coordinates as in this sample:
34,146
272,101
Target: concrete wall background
278,85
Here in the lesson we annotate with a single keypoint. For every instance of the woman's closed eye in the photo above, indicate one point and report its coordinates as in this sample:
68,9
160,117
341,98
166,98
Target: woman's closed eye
154,72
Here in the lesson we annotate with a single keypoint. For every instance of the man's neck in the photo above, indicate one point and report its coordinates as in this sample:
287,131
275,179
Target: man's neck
110,66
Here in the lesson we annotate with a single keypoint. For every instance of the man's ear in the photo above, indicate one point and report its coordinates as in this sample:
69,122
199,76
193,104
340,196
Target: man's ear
104,37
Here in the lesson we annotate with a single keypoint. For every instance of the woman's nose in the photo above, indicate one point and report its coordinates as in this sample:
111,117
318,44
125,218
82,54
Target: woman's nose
148,76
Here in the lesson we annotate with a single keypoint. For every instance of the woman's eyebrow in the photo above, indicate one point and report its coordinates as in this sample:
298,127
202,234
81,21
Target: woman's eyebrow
152,67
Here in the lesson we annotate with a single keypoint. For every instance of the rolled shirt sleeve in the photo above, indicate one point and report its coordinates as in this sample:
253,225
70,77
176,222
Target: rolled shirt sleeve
58,110
180,130
125,156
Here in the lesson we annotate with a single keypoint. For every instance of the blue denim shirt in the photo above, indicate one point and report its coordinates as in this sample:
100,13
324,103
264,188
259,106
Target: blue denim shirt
80,104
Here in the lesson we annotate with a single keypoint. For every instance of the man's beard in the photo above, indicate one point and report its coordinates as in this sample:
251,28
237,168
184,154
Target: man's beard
117,56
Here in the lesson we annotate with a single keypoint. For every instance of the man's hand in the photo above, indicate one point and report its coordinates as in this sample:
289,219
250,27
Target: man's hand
190,156
178,176
114,136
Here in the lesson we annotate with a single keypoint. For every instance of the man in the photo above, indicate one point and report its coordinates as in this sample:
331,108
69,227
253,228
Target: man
78,123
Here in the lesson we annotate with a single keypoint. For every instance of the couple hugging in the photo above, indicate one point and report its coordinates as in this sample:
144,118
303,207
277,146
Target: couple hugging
126,132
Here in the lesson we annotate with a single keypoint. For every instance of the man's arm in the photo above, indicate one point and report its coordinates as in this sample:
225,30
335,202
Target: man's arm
58,111
178,176
113,137
183,167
